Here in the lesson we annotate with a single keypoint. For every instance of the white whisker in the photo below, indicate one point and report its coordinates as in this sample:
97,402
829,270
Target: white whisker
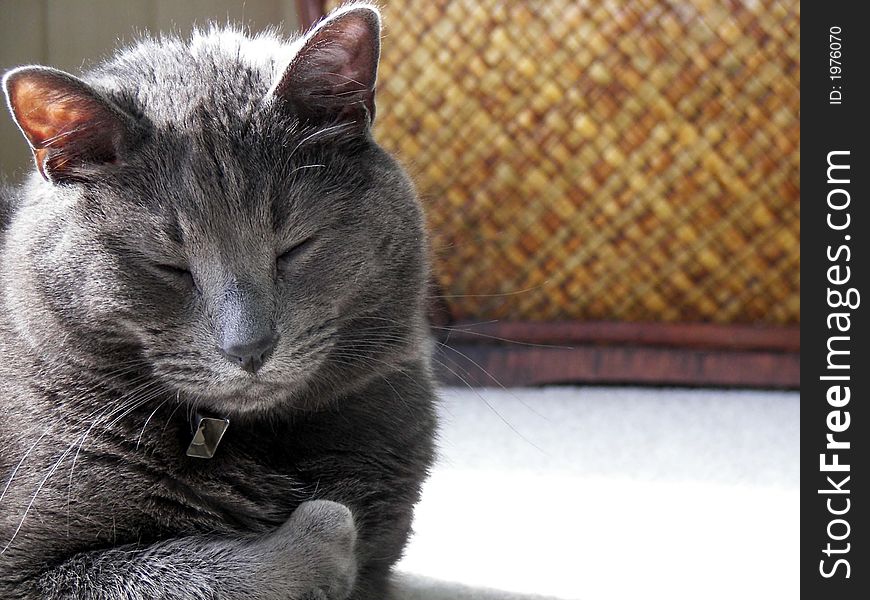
24,458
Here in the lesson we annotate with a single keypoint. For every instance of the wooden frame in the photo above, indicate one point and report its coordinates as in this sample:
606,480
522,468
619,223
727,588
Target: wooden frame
684,354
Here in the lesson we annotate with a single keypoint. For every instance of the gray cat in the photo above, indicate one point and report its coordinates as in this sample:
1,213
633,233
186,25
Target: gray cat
214,236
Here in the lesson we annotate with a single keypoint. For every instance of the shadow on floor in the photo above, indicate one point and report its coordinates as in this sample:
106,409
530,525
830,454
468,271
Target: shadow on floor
415,587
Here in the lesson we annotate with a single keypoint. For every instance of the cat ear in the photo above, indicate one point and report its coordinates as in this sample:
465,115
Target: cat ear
68,125
332,76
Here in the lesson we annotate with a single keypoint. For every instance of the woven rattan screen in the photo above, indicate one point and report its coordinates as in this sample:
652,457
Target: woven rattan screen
630,161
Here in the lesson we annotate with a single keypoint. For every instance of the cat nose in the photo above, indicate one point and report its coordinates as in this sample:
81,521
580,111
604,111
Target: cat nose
250,355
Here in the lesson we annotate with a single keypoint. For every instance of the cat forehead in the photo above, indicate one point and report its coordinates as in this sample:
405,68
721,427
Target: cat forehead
264,51
168,78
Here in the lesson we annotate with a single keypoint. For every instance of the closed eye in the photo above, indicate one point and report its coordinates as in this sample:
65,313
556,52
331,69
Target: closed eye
295,250
172,269
175,272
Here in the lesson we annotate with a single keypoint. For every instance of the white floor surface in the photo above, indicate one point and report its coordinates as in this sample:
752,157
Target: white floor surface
579,493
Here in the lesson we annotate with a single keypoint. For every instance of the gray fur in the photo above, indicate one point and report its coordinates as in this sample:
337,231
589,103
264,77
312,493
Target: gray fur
106,352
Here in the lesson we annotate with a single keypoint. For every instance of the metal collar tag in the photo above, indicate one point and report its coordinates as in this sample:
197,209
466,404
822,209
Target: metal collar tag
207,434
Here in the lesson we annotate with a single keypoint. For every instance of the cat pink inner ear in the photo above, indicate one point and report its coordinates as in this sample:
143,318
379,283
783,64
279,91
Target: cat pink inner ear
333,74
65,122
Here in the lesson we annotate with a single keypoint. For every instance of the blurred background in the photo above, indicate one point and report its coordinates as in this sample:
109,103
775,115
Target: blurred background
613,193
622,178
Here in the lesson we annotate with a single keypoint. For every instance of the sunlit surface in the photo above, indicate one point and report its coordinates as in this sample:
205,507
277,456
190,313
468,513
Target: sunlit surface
593,493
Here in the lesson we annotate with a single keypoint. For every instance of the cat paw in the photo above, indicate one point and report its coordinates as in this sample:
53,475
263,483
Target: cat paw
319,539
331,522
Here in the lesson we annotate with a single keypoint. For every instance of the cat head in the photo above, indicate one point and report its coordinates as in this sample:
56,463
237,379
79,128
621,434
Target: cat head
216,214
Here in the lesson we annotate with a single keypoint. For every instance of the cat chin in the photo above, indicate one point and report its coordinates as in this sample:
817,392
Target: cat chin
244,400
